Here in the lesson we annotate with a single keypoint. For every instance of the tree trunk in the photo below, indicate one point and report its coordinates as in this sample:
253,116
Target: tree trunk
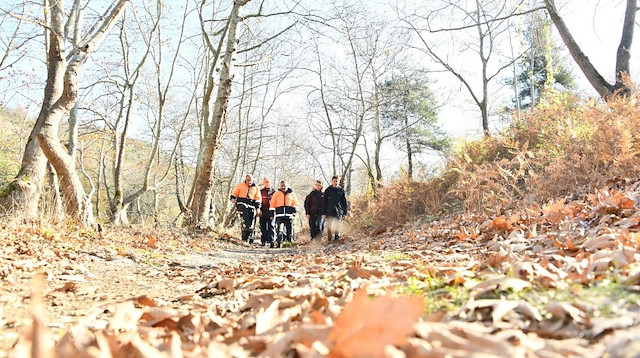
76,203
599,83
409,158
56,211
376,162
100,177
119,216
27,186
203,183
61,93
623,54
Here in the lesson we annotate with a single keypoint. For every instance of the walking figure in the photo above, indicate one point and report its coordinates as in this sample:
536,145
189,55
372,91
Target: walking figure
247,198
334,209
283,205
313,210
266,215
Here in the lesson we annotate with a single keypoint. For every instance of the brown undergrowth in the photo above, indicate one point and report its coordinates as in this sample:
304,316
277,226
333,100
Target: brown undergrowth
566,147
515,275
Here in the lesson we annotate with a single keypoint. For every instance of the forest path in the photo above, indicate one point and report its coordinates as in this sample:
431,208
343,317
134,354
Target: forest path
86,276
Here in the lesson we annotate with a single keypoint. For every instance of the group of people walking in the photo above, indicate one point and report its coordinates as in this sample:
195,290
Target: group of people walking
277,209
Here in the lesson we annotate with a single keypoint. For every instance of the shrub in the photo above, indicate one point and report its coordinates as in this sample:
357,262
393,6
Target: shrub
559,148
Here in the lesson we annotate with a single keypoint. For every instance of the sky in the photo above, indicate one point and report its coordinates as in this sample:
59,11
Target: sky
598,28
595,24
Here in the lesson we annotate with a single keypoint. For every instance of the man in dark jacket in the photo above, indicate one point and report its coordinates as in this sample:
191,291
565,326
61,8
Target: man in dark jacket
334,208
266,219
313,209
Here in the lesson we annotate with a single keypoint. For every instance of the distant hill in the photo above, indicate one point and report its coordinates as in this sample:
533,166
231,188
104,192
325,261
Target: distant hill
16,127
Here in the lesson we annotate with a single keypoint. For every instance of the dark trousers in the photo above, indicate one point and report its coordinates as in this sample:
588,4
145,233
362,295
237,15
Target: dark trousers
285,224
316,224
248,215
333,227
266,228
249,220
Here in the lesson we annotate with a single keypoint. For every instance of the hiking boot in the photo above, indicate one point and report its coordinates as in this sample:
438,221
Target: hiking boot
264,243
272,244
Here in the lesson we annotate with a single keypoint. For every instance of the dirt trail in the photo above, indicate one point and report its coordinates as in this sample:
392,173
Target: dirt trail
79,284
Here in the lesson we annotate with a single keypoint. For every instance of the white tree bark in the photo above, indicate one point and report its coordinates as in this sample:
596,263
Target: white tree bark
204,181
61,94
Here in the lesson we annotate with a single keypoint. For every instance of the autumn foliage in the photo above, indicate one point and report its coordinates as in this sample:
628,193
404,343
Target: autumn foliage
562,148
526,246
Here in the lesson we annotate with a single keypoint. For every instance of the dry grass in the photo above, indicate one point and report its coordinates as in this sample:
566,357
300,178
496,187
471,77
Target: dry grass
564,147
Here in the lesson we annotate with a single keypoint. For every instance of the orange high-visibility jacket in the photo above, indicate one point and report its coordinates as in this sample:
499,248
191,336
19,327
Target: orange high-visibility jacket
284,202
246,194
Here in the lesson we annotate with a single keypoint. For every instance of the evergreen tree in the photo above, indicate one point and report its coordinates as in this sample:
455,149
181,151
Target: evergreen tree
542,66
408,109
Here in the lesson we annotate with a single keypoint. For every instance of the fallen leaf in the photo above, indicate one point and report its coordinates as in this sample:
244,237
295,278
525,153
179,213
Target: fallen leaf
365,327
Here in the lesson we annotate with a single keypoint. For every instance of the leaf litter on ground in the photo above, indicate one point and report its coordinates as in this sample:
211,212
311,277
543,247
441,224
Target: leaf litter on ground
560,280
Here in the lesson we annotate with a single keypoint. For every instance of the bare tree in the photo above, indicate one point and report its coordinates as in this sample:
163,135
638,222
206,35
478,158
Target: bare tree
257,53
345,102
9,39
605,89
154,47
61,93
204,181
486,22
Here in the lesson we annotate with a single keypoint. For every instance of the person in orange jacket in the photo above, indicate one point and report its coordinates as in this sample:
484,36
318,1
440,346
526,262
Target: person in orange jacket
283,206
246,196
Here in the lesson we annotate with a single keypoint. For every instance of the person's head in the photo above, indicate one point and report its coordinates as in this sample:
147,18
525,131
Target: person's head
283,185
334,181
266,182
248,179
318,186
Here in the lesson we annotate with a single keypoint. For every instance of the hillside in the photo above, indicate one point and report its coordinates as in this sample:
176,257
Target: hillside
94,143
547,281
513,252
16,127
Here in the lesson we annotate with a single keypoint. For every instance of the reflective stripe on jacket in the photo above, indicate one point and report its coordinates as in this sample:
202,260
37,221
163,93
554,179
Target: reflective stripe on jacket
245,194
284,203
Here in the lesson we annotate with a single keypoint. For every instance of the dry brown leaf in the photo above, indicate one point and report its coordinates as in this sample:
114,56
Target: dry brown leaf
125,317
226,284
603,325
67,287
554,211
310,335
605,241
462,339
266,283
145,300
267,318
500,284
500,224
151,241
502,307
365,327
39,347
562,310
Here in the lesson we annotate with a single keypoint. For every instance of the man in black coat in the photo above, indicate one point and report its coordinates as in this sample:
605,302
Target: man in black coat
334,208
313,209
